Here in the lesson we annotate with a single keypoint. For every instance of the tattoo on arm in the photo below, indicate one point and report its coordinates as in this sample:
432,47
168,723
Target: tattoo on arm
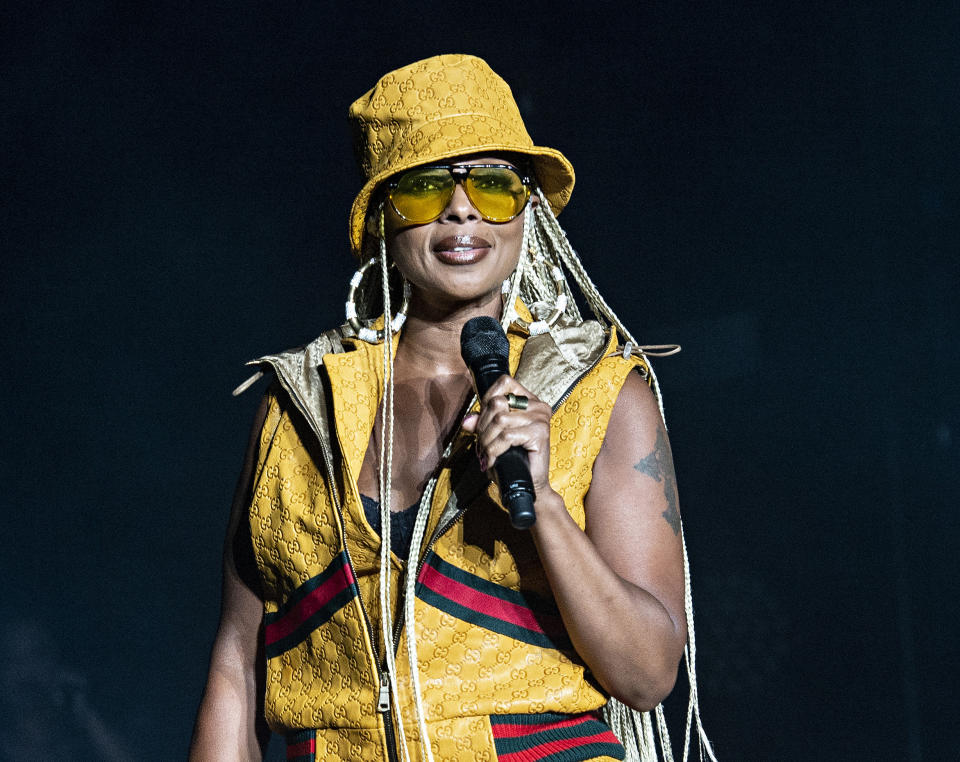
658,465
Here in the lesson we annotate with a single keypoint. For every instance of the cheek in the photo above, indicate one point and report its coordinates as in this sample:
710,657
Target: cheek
403,248
511,239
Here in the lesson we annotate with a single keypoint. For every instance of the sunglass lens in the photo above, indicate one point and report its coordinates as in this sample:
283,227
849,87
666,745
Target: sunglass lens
421,195
498,193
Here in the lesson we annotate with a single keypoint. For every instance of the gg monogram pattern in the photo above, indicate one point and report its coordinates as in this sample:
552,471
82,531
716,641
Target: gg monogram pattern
438,108
491,642
296,539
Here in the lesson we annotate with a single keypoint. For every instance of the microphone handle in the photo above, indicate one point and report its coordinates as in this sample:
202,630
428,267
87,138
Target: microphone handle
487,371
512,467
516,486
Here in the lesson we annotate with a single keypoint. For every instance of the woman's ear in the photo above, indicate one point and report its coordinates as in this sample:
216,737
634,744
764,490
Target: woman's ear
373,226
373,220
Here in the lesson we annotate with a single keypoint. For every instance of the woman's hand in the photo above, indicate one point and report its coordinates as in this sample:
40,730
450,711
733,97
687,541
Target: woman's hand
499,427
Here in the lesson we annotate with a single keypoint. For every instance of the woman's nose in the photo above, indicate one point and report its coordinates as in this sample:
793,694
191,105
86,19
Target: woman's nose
460,209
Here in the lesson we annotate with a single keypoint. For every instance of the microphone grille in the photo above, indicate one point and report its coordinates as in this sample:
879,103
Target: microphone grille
483,337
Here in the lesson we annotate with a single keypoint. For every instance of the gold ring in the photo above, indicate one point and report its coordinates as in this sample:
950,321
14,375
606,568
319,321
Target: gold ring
517,401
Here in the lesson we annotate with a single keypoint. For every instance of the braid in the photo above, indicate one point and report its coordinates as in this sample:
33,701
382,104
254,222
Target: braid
552,244
386,483
562,249
538,283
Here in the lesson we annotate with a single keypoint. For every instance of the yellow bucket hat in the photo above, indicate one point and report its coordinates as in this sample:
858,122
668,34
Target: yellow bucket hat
438,108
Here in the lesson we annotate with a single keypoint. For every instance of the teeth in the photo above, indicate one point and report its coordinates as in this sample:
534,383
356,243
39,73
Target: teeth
462,248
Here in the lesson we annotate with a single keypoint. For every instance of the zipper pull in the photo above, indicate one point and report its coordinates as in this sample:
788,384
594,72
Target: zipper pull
383,704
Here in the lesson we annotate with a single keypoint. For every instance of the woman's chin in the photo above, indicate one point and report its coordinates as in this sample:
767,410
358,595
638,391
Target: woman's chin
455,298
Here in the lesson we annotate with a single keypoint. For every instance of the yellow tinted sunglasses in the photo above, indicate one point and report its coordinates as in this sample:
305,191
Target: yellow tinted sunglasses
498,191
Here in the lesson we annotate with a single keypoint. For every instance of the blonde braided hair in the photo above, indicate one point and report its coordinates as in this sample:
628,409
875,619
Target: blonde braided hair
544,247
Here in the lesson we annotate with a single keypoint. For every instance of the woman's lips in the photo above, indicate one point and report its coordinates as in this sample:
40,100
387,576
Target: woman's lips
461,249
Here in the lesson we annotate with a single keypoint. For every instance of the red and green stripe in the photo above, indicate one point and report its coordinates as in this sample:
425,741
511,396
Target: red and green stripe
553,737
302,746
518,615
309,606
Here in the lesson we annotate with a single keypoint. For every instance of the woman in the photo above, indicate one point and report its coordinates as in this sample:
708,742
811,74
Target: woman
521,637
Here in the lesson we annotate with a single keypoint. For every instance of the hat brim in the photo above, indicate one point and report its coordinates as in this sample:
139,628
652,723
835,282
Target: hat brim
555,178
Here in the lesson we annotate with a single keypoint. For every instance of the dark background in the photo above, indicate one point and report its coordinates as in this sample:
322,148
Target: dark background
772,185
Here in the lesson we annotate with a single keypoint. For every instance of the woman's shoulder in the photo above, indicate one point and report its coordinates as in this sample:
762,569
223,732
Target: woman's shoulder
618,362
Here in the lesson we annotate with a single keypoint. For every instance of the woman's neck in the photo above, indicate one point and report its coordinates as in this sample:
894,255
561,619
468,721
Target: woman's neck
431,335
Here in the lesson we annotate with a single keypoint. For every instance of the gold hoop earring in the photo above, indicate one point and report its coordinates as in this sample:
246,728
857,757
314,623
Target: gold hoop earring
370,335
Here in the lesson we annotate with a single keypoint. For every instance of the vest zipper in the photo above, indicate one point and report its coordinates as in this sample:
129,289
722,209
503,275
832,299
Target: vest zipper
383,707
563,397
383,698
438,533
398,626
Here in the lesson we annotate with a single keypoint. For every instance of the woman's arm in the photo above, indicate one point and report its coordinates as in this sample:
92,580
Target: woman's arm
230,722
619,585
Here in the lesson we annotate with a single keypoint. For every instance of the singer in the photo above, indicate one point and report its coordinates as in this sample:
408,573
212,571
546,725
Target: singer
378,603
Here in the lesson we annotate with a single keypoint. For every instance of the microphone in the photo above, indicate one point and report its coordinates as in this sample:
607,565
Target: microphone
485,350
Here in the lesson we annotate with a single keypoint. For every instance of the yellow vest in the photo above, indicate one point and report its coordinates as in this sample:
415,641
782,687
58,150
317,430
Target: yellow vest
498,675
